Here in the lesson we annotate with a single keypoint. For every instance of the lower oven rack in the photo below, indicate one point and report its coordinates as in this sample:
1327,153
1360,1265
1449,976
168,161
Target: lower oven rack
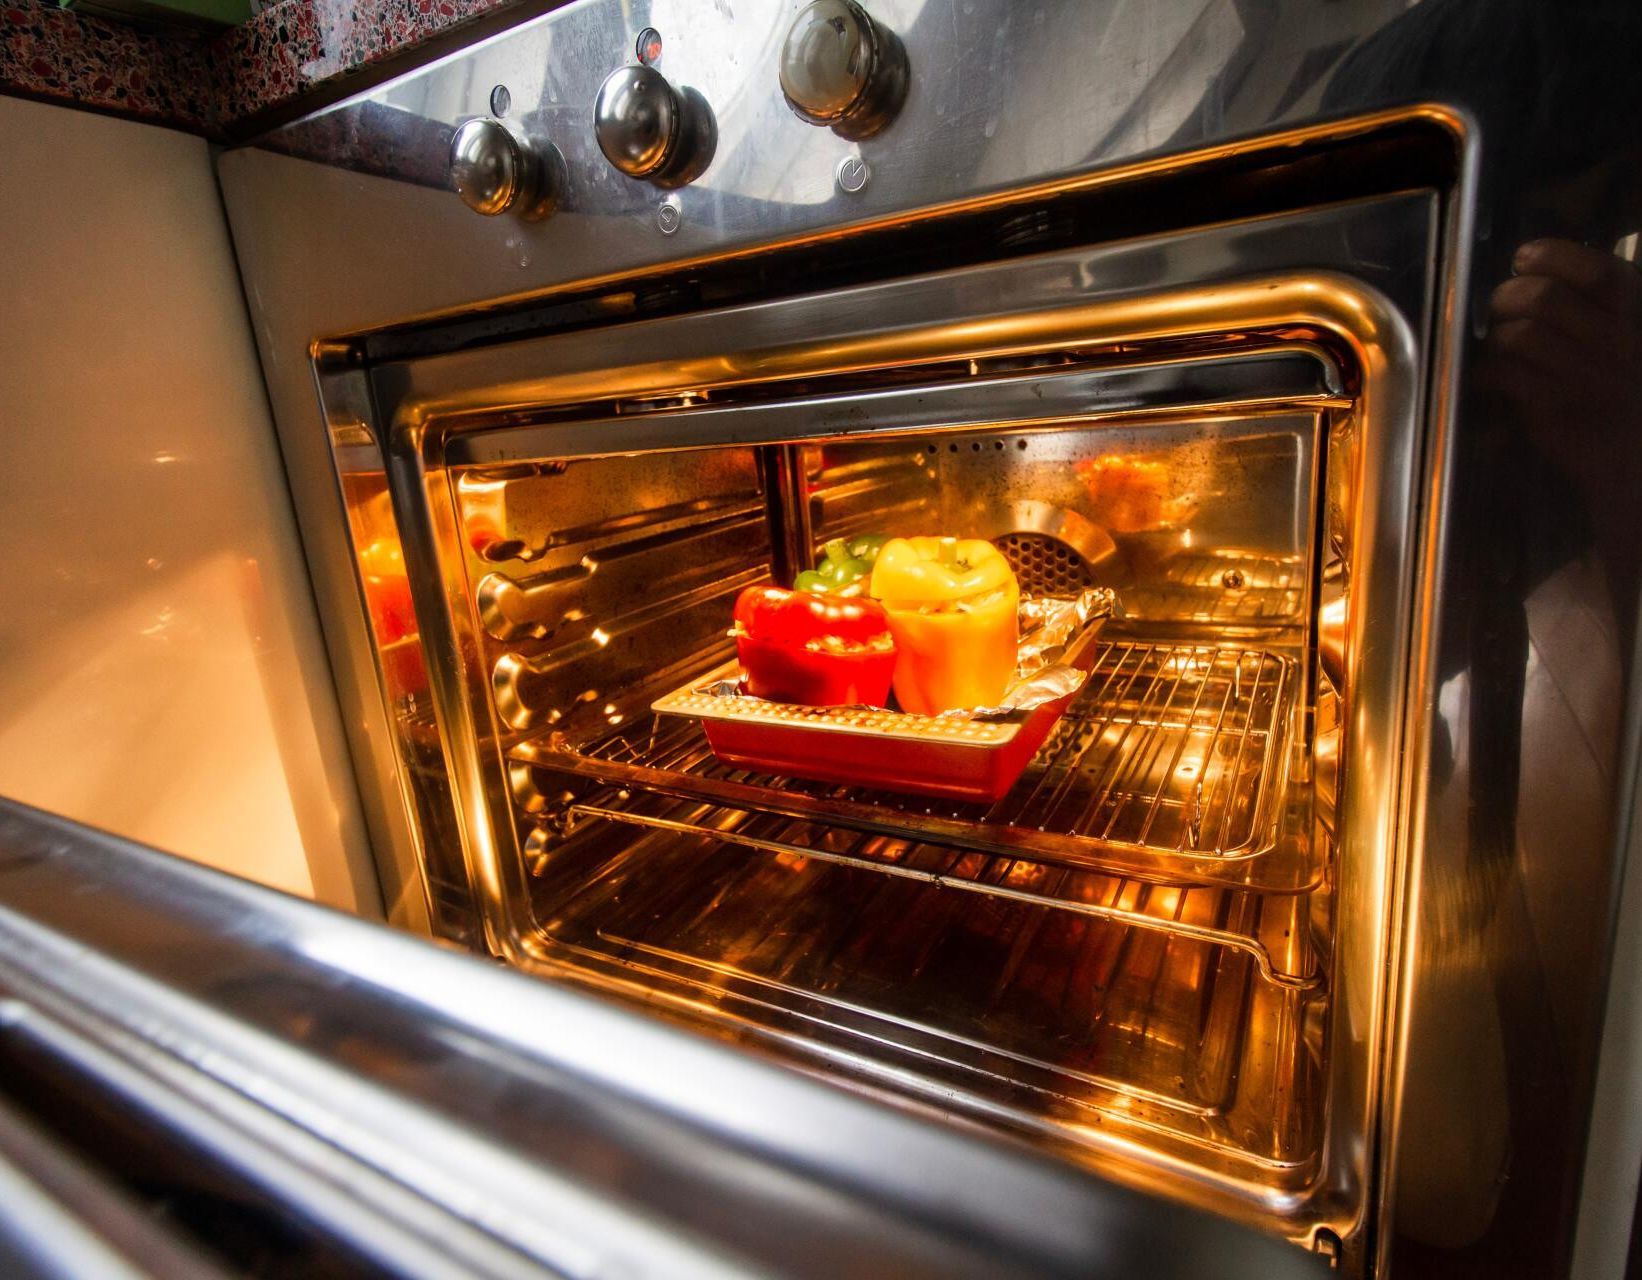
1116,899
1184,1019
1171,766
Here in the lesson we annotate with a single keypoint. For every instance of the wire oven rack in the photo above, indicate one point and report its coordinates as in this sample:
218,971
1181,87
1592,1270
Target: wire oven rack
1170,766
1216,917
1184,1017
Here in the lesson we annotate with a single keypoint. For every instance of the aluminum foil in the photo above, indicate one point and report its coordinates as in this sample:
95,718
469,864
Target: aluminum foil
1048,624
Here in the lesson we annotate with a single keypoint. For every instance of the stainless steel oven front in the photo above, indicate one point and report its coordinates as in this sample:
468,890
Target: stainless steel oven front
1193,947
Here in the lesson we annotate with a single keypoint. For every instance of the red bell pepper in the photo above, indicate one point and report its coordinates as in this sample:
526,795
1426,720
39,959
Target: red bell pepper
817,650
388,596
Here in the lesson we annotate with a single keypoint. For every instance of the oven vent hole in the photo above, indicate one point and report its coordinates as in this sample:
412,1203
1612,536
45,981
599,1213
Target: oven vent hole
1044,565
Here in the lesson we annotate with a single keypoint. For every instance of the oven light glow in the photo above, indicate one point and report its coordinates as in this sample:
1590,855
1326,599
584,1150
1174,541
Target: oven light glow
1185,537
162,622
601,637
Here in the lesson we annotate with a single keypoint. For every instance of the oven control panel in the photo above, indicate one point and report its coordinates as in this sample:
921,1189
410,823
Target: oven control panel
837,67
840,68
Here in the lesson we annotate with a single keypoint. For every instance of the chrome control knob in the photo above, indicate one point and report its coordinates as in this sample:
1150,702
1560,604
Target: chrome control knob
493,172
647,129
843,69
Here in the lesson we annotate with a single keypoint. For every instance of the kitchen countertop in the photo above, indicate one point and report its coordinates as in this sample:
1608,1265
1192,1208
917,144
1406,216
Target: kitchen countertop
224,84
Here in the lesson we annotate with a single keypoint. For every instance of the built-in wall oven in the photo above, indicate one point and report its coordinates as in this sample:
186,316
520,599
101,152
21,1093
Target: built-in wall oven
1056,277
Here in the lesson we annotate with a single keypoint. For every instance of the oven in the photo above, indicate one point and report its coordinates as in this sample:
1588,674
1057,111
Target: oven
537,456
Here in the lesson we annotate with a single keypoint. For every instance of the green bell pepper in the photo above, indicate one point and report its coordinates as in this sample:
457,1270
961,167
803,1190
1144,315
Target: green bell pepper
844,566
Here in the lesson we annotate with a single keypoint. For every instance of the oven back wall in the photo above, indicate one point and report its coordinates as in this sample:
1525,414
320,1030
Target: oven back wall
161,670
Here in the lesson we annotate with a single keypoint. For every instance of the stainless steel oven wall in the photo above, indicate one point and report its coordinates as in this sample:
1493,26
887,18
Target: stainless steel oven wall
1246,488
343,225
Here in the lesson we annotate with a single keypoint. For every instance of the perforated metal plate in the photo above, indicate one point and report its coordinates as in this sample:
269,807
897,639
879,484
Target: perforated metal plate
1044,565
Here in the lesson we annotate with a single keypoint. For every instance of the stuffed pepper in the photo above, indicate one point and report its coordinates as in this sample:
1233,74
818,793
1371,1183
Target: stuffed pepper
844,567
952,606
818,650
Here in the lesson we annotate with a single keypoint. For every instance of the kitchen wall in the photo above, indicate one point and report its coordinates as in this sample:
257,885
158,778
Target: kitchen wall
161,668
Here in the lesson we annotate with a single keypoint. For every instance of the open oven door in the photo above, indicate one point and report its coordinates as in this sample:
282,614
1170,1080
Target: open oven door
205,1077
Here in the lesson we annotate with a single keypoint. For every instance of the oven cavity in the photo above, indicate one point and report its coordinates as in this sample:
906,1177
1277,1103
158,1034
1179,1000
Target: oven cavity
1139,953
1124,943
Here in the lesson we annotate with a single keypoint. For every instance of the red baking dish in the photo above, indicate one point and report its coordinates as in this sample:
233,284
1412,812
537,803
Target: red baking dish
953,757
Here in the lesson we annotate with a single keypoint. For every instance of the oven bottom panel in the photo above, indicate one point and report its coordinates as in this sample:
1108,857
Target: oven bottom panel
1114,1018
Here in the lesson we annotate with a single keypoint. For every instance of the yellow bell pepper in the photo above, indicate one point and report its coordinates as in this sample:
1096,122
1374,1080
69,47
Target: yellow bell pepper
952,606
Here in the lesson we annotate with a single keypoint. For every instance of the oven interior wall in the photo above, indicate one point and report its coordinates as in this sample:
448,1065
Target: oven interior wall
599,580
1195,521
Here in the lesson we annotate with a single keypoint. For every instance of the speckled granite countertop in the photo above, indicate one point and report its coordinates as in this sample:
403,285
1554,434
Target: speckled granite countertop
221,85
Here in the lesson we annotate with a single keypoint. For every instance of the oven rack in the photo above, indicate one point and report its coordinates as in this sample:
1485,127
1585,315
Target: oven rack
1214,917
1171,766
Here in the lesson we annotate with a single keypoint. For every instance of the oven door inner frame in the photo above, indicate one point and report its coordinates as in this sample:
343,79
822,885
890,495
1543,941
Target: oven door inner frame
1283,311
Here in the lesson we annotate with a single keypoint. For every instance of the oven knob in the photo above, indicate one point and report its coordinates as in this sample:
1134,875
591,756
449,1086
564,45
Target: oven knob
650,130
493,172
843,69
